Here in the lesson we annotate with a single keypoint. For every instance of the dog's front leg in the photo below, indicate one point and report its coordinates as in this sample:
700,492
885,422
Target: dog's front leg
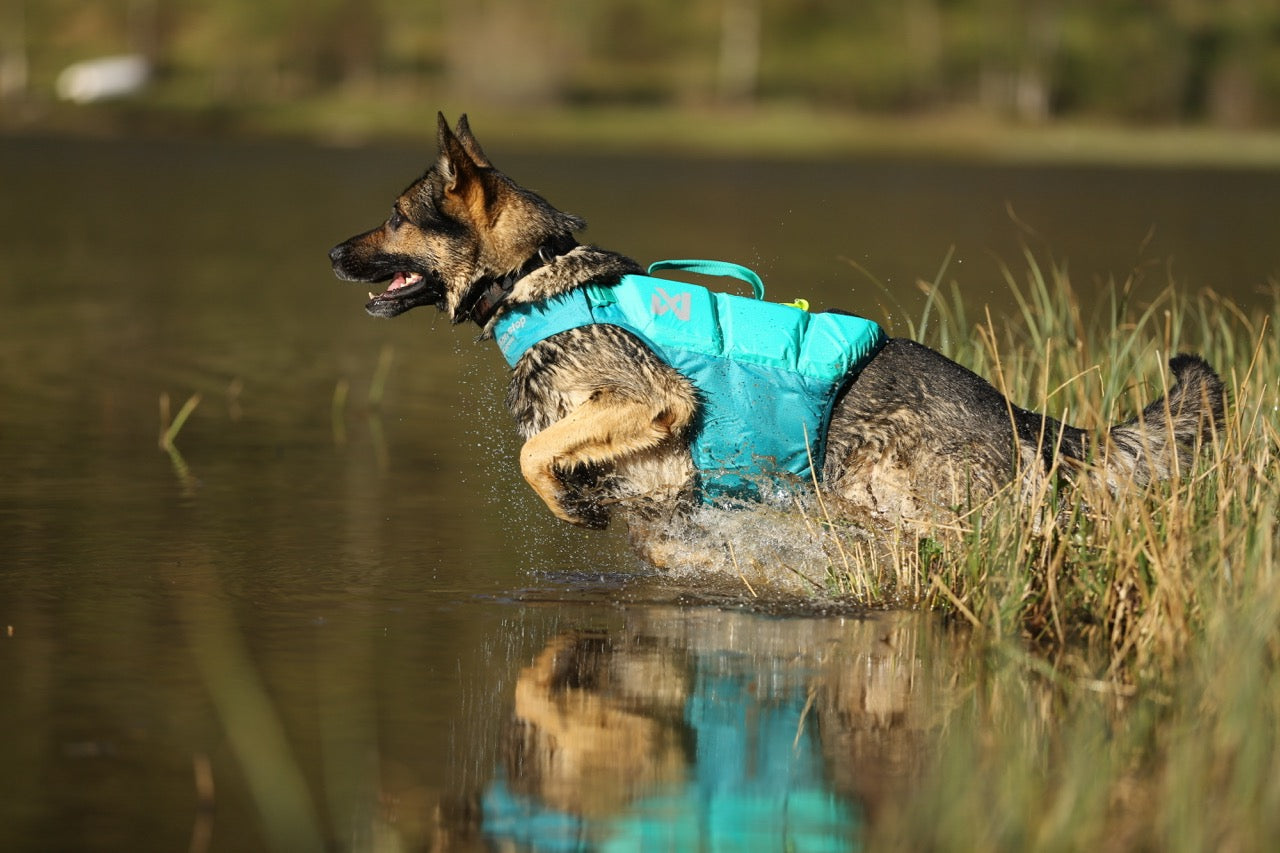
602,430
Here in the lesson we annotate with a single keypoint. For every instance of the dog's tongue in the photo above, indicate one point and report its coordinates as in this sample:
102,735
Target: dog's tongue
399,280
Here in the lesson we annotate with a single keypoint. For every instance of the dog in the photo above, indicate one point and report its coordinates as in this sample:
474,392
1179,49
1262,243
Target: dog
608,423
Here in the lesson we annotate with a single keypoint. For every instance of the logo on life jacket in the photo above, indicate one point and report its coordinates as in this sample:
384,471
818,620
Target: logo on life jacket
509,334
663,302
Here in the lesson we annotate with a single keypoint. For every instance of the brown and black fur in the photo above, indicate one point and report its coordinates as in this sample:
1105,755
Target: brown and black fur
606,422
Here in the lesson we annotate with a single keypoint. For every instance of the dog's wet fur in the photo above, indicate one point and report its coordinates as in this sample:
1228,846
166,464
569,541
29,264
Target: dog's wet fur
606,422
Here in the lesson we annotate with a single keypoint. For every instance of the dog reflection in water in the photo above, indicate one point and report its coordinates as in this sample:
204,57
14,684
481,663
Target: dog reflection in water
678,739
595,728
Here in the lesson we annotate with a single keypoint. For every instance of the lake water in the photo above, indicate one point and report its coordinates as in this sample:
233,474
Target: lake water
326,621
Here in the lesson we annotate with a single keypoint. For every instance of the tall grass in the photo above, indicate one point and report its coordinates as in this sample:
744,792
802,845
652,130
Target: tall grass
1127,572
1130,696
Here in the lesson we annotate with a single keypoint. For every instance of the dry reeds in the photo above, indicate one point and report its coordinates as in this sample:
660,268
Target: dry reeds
1131,695
1131,571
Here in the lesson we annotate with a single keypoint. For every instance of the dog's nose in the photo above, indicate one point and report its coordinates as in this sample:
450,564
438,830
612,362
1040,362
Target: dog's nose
335,254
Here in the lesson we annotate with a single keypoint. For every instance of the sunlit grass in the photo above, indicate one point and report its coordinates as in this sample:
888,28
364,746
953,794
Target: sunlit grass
170,426
1133,570
1130,697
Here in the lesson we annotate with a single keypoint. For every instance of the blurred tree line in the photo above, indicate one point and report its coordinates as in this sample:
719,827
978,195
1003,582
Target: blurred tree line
1215,61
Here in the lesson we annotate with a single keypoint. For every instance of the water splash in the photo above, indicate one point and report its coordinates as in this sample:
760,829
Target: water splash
776,549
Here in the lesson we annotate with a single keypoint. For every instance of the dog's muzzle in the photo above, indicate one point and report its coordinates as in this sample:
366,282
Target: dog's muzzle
406,289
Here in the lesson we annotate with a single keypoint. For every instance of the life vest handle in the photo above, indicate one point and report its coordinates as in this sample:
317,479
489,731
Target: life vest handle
721,268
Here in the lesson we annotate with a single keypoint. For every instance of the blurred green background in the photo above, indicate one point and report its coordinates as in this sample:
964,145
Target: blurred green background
940,74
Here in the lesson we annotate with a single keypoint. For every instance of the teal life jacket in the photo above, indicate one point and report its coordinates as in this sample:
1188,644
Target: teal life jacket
767,374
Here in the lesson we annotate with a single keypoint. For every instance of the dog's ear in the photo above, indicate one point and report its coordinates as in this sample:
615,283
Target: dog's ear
454,159
463,179
468,140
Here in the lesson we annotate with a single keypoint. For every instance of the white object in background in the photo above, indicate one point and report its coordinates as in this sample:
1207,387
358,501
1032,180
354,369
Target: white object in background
102,79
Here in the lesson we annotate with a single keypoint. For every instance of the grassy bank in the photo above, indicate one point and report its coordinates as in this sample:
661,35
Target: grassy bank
784,131
1129,696
767,130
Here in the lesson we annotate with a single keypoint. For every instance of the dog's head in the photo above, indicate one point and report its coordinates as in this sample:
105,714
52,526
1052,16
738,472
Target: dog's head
456,230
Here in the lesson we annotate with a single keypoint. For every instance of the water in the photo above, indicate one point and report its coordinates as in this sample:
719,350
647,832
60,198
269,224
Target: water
331,620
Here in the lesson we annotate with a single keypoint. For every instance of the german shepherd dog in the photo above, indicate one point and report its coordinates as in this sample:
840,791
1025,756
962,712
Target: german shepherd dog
606,422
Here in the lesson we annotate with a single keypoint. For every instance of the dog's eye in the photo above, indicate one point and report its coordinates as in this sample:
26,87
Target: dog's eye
396,219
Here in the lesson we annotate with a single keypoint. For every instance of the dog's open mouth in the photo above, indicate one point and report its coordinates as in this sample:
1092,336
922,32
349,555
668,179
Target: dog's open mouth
406,290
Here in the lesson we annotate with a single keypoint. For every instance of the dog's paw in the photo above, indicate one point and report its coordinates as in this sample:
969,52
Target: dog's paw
585,512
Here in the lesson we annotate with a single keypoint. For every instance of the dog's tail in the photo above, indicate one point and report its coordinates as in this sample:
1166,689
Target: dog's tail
1162,440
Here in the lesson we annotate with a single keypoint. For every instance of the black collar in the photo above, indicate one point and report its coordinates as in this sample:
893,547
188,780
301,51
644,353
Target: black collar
490,294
